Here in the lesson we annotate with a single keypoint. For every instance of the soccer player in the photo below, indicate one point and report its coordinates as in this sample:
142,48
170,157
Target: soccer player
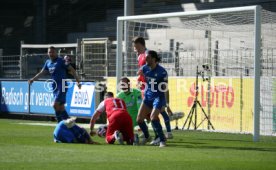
68,61
67,131
57,67
141,50
132,97
154,100
120,123
139,46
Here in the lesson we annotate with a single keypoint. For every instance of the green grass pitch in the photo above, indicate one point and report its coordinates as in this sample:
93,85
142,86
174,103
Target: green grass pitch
31,147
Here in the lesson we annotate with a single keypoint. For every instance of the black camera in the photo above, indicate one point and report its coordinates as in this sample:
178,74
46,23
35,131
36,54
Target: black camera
206,67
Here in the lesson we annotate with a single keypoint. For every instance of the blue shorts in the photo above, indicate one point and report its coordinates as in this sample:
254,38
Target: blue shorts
156,103
60,96
81,134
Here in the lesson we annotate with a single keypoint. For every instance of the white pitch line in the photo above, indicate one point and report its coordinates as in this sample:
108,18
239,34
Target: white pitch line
53,124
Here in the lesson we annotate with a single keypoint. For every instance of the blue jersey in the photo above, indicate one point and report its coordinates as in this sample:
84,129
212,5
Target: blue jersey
74,134
153,79
58,70
63,134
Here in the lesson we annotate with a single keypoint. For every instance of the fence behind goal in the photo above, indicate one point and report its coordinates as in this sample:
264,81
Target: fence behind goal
225,40
94,59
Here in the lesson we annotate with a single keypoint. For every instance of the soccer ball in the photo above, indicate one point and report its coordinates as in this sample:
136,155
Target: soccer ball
101,132
176,116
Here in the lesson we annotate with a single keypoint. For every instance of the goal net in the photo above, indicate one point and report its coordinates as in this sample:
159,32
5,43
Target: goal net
236,46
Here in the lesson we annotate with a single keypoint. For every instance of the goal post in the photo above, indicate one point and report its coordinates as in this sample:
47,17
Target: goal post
257,56
231,42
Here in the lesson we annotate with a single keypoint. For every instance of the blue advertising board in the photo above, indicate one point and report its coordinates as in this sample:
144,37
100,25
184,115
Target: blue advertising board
14,98
81,102
41,99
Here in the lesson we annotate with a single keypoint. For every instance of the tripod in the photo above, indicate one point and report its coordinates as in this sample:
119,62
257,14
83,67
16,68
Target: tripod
193,110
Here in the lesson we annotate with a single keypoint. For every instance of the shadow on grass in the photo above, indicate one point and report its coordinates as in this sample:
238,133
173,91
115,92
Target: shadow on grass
196,146
230,140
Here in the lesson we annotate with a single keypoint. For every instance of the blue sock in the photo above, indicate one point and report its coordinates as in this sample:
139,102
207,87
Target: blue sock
144,129
61,115
158,129
64,115
58,116
155,133
167,121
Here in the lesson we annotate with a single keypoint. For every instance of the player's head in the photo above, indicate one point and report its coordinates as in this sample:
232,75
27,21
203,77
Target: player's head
108,95
52,53
152,58
139,44
125,84
67,59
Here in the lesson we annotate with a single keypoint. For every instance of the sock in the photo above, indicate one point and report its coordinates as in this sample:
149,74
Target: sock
64,115
144,129
167,121
158,129
155,133
61,115
58,116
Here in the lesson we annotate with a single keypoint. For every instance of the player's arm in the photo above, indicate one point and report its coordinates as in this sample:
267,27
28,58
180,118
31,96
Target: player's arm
95,116
41,73
140,72
74,74
167,94
138,99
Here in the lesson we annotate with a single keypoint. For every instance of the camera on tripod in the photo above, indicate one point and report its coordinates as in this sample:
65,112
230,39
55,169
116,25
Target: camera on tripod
206,68
192,116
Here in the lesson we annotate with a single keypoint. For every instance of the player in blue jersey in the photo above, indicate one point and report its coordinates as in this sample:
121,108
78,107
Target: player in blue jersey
57,67
140,47
154,99
67,131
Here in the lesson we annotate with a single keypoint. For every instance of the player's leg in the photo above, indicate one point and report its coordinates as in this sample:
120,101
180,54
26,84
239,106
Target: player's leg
60,99
112,131
142,114
81,134
134,119
157,107
109,138
167,123
127,129
168,127
166,120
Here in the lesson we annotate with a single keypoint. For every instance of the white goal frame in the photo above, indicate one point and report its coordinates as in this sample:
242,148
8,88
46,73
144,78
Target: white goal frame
257,48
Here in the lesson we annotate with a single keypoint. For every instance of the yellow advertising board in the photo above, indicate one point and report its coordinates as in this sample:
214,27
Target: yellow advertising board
231,101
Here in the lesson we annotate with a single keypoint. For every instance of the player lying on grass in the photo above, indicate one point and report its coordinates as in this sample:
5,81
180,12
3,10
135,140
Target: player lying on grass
67,131
120,123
